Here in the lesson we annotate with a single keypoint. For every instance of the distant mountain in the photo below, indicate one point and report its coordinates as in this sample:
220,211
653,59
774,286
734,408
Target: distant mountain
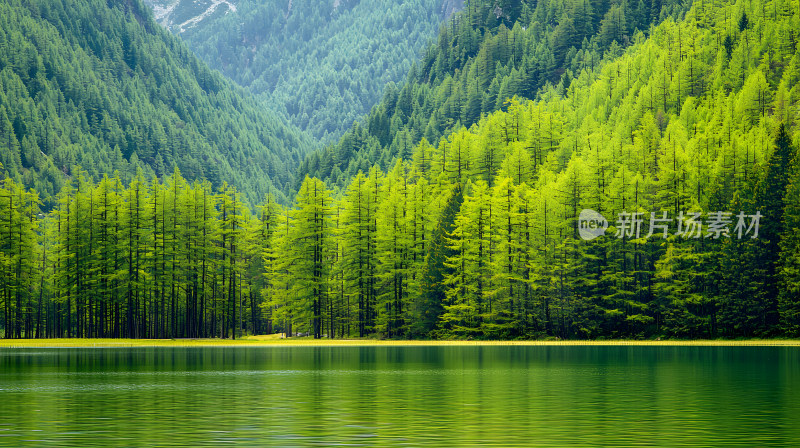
105,88
321,63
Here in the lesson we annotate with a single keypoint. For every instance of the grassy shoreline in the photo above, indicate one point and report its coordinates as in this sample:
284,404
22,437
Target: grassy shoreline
262,341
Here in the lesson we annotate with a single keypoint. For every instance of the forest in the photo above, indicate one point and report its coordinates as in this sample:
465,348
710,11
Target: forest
473,233
100,85
320,64
492,51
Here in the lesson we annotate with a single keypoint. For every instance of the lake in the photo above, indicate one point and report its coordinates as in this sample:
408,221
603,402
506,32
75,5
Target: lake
402,396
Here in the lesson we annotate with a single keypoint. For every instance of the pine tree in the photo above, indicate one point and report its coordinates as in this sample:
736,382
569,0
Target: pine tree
138,234
310,236
268,232
18,257
432,280
770,200
393,246
789,260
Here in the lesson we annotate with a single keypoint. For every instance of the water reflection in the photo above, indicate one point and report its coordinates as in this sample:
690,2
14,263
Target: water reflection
401,396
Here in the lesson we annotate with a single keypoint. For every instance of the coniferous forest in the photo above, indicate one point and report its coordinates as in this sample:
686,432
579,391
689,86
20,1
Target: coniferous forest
320,63
101,86
160,201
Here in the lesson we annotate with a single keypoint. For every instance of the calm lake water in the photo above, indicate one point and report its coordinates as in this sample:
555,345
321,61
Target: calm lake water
401,396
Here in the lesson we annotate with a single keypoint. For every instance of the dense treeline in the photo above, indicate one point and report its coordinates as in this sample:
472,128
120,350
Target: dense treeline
322,64
491,51
101,85
152,259
692,131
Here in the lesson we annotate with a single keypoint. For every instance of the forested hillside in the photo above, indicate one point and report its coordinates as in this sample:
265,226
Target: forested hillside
100,85
487,54
686,141
322,64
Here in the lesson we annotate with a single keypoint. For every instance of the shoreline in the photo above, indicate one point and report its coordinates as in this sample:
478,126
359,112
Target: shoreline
308,342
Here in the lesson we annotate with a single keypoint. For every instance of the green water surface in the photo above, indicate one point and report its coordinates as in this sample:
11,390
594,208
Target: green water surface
402,396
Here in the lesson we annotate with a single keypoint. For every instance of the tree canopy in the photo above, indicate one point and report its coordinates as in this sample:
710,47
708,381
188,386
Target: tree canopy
486,54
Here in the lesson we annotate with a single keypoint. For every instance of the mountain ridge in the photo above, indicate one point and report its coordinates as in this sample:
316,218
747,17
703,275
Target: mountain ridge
485,55
320,64
106,88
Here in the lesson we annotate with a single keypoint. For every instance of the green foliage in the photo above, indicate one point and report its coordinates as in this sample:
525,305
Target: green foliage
308,267
321,64
100,85
789,266
485,55
153,260
478,235
20,262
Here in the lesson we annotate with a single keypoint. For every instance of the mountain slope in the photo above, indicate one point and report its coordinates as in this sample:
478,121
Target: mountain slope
488,53
322,64
106,88
687,143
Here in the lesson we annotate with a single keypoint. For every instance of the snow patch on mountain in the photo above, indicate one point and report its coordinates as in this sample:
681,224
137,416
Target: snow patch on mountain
165,11
197,19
